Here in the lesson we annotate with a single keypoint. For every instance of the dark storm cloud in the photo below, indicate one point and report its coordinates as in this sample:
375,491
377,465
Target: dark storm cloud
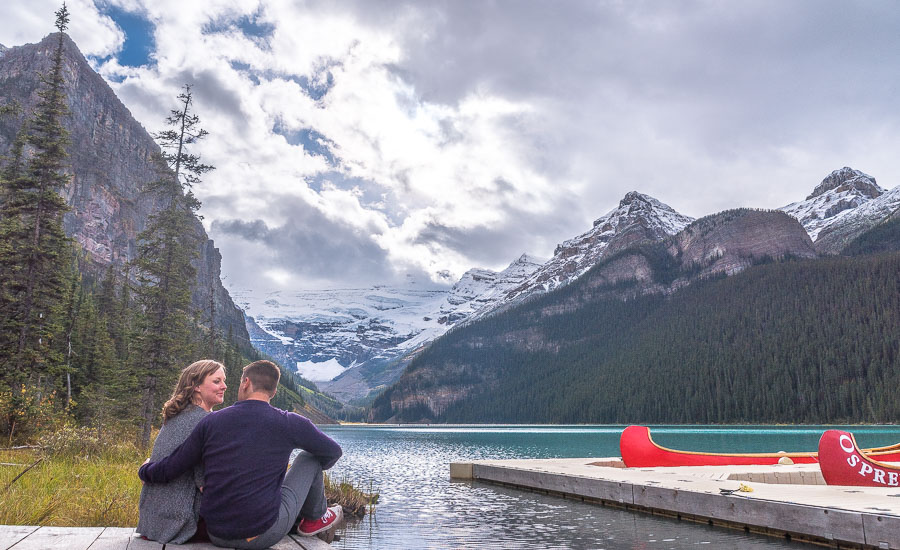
703,105
499,244
256,230
213,93
726,76
310,244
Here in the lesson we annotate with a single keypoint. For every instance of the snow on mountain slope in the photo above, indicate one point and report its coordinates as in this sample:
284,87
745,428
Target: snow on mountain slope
839,195
836,236
480,289
345,338
343,327
638,218
325,332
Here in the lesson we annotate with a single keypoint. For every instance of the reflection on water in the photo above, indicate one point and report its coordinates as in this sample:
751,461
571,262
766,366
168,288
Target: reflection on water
421,508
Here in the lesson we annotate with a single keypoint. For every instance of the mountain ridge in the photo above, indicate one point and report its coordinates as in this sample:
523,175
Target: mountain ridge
479,292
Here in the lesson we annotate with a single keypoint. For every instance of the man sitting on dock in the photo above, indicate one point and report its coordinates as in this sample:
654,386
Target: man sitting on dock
248,501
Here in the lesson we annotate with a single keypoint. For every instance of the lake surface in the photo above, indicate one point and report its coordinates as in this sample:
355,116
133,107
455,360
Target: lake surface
420,507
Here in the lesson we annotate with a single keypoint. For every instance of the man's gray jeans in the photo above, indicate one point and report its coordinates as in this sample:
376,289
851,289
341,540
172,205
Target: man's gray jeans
302,494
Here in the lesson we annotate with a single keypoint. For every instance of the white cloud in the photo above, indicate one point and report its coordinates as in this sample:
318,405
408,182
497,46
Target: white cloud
465,133
29,22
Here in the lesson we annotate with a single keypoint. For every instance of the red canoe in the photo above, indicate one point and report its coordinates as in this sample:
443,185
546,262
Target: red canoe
640,451
842,463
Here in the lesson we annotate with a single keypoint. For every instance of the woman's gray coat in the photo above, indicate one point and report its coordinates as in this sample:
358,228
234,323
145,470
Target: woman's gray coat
169,511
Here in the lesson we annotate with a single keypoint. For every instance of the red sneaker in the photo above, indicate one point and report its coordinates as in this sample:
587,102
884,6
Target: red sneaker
310,527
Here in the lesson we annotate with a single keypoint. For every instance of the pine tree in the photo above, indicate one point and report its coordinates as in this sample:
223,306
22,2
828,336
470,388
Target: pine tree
35,249
165,251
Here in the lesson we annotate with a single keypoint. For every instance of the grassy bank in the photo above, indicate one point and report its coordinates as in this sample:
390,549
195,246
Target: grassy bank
78,479
69,491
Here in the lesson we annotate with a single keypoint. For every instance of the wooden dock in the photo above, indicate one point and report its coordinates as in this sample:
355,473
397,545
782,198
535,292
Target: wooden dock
24,537
786,501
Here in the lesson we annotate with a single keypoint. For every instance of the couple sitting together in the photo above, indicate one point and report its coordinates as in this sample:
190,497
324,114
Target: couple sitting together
229,468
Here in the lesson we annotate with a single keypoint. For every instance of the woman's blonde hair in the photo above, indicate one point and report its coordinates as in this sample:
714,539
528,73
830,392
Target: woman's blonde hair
191,377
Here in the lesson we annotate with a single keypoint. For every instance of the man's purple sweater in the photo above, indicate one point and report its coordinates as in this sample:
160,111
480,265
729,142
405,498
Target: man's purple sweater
244,449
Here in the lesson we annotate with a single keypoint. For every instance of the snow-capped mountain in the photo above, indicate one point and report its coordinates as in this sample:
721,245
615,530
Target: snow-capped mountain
481,289
477,288
323,332
353,334
843,206
638,218
839,194
834,238
354,340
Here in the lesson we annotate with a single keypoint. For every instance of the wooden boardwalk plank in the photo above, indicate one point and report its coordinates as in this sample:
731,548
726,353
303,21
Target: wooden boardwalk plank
287,543
113,538
11,534
137,543
193,546
22,537
62,538
310,543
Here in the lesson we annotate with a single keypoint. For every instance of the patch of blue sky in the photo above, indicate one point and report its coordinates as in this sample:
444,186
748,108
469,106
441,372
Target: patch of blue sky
314,89
252,26
372,196
312,141
247,70
139,41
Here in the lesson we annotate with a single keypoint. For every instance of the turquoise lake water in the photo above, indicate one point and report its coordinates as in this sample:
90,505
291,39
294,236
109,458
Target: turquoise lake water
421,508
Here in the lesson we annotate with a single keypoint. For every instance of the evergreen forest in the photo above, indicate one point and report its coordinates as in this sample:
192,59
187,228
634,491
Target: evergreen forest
91,347
812,341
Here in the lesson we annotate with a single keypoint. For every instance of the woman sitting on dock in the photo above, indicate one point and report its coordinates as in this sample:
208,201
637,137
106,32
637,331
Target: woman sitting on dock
169,511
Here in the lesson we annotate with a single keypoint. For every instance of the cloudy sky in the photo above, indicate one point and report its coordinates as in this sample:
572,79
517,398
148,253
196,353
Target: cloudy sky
361,142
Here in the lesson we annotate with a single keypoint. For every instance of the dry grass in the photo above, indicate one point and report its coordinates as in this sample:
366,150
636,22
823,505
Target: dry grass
69,491
89,483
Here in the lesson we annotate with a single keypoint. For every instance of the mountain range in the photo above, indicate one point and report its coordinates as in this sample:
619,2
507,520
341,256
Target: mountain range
736,318
371,347
357,342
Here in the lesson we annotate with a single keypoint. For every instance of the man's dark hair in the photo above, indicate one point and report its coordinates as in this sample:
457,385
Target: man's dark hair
264,376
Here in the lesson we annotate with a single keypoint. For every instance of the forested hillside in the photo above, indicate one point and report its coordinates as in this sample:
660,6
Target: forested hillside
798,341
883,237
80,342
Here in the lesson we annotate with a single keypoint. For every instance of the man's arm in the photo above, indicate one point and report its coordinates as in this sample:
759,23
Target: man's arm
311,439
187,454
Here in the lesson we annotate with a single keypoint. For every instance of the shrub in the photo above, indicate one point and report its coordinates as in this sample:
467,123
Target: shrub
71,442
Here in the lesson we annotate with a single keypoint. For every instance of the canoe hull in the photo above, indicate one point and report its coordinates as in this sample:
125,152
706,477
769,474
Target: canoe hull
843,463
640,451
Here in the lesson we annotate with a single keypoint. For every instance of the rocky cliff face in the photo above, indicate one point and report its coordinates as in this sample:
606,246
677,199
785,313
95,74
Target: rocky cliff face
721,244
731,241
109,161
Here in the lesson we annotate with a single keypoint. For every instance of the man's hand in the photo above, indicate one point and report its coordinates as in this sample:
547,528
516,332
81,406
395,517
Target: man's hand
145,462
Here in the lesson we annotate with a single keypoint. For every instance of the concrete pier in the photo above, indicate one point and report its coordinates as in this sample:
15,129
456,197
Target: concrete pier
790,501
